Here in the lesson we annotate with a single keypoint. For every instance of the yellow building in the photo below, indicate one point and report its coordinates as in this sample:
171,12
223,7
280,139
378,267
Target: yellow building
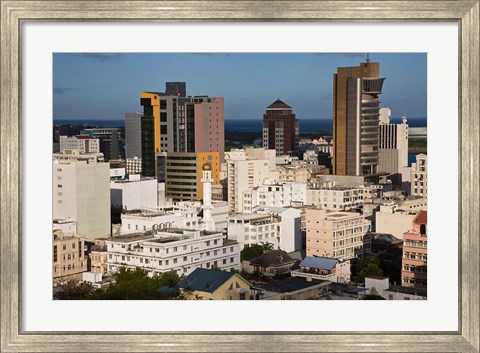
98,257
182,173
207,284
69,259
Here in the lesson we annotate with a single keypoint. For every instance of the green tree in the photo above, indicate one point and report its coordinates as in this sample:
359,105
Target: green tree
266,246
136,284
73,290
251,252
367,267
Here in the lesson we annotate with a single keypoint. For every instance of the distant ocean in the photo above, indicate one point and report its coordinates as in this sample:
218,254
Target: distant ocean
306,125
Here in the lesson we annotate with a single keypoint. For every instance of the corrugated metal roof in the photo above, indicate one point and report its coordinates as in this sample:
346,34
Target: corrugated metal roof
205,280
319,262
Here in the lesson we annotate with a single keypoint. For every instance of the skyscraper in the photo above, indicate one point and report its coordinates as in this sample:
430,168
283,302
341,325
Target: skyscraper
393,146
205,125
356,119
133,134
280,128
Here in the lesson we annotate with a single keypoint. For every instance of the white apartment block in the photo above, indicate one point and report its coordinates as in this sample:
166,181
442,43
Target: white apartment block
156,219
274,194
418,177
251,229
81,192
244,175
177,250
290,234
336,198
134,193
342,235
83,143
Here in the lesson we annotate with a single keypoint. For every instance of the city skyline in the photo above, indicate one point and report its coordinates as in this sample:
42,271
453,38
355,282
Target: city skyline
90,86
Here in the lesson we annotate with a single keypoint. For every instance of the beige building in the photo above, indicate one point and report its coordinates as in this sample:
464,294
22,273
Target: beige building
418,178
98,257
69,259
337,234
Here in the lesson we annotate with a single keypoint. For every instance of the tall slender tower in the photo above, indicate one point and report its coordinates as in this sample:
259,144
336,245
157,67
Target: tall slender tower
356,107
207,221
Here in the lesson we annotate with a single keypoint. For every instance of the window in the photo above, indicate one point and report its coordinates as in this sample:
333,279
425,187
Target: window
174,261
185,259
64,246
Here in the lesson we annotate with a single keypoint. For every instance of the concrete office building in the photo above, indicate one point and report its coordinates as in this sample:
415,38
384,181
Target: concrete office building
393,146
133,135
280,128
83,143
109,141
337,234
182,173
356,103
205,125
133,165
179,250
81,192
418,178
414,261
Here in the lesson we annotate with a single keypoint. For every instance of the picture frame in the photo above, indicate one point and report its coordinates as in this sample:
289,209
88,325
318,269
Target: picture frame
464,13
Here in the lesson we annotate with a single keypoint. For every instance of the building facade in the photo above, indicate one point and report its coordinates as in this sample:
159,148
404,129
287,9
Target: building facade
172,249
109,141
83,143
356,107
182,173
414,260
337,234
133,193
69,255
336,198
280,128
418,178
393,146
252,229
133,135
81,192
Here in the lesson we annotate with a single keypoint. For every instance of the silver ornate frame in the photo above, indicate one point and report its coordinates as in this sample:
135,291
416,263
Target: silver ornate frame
465,13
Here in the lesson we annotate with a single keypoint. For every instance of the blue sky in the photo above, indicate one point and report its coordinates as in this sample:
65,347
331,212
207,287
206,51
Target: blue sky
101,86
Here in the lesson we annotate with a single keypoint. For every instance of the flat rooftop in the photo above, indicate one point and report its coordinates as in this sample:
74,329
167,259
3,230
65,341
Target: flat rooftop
291,284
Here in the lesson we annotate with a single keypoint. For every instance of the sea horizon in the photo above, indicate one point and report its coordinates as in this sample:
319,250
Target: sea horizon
237,125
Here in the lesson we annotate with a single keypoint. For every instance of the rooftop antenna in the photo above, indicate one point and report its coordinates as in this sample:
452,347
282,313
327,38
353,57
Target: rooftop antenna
368,58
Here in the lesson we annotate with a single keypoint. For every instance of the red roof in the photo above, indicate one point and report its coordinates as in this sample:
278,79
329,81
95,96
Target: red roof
84,137
376,277
421,218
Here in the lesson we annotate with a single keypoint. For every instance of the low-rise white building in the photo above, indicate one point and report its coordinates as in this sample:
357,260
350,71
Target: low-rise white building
336,198
179,250
392,219
179,216
274,194
83,143
134,193
290,235
251,229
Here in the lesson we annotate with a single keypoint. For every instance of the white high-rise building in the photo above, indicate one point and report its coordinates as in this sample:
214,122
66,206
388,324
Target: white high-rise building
245,171
81,192
418,177
393,145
